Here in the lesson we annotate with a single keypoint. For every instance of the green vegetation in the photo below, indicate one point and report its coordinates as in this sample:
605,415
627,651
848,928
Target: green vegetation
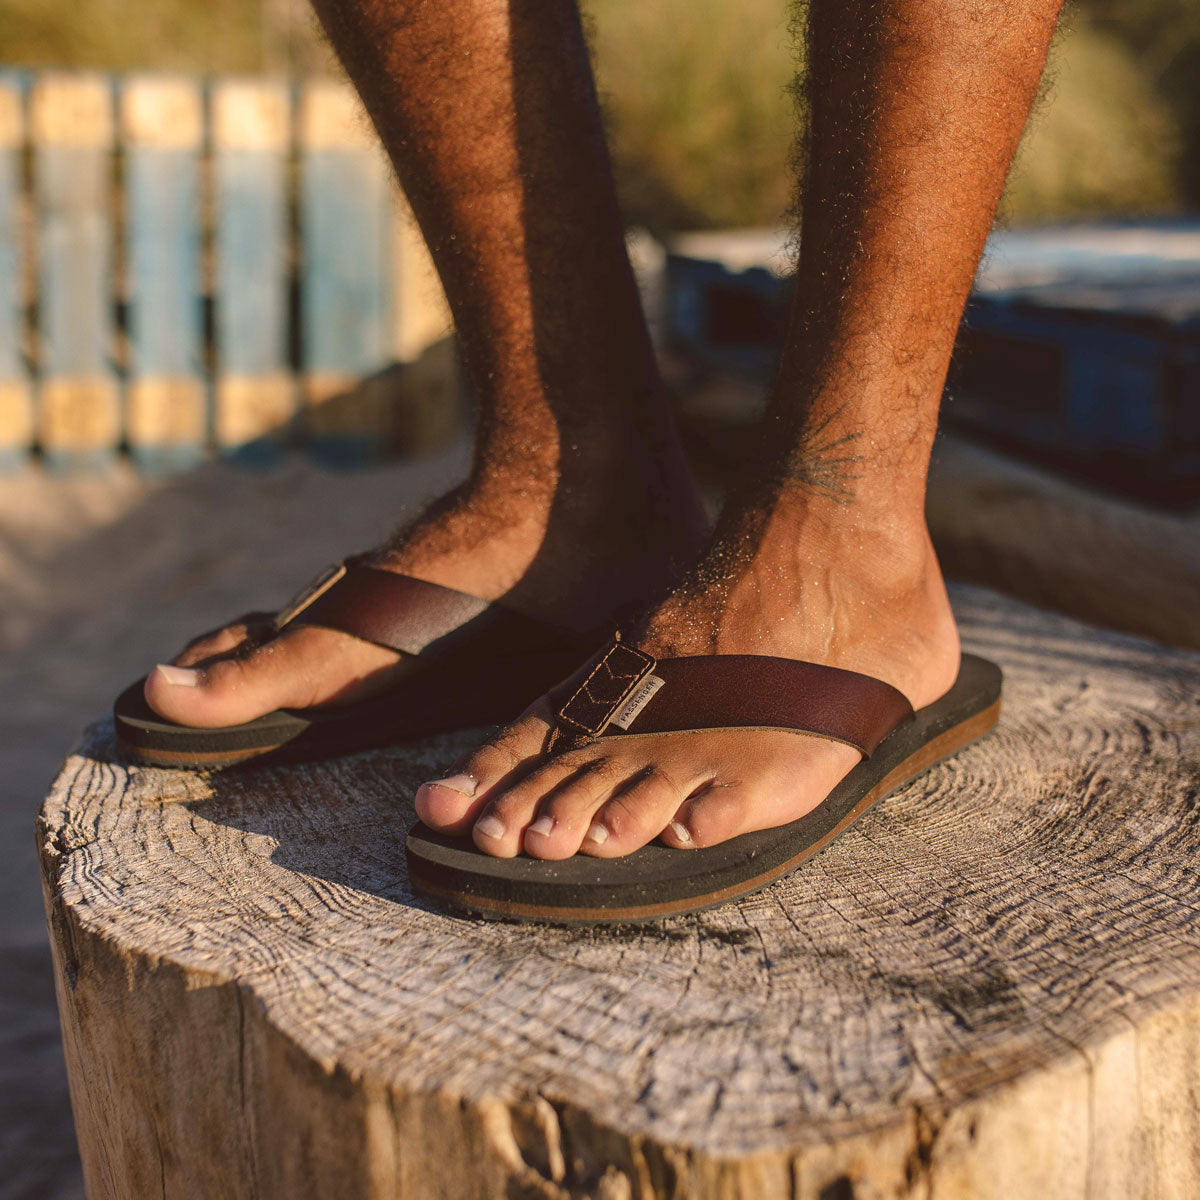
164,35
1164,35
699,104
1100,142
697,94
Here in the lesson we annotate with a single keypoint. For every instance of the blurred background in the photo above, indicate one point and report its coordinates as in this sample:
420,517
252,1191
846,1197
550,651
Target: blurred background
224,361
698,97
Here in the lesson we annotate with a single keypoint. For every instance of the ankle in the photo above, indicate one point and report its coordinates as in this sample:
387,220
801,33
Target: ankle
886,548
874,603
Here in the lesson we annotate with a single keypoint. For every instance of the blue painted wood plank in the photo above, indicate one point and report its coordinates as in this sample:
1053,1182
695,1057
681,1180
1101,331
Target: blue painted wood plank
16,394
347,225
79,418
255,394
166,403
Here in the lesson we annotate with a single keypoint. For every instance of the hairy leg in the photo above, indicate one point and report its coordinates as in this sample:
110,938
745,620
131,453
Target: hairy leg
915,110
579,503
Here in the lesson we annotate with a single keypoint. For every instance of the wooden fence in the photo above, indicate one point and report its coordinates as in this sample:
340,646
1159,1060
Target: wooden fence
193,266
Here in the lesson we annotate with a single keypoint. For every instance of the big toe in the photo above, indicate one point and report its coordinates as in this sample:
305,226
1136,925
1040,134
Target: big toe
452,804
292,671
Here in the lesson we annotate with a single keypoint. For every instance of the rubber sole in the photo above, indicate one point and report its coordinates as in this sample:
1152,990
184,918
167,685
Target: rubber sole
658,881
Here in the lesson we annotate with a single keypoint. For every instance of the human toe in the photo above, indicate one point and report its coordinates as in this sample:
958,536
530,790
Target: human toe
452,804
213,645
636,813
713,814
236,688
247,630
775,779
563,798
513,819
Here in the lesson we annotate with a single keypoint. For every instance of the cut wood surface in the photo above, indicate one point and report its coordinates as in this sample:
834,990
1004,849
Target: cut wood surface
989,988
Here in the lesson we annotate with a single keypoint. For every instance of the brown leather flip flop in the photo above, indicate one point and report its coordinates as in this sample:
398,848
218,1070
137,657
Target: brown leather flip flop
626,693
472,663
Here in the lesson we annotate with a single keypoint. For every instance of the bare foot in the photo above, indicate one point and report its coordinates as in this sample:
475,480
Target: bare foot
866,598
575,556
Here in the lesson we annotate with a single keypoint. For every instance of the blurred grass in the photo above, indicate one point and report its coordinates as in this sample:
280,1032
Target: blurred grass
698,100
697,94
696,97
163,35
1101,141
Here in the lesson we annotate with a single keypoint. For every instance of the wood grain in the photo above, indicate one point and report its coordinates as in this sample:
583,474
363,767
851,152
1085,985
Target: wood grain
989,988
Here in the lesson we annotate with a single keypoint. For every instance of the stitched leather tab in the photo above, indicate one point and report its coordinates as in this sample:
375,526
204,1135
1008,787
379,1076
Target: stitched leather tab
606,688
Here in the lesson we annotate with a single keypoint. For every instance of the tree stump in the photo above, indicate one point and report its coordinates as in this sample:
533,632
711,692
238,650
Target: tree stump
989,988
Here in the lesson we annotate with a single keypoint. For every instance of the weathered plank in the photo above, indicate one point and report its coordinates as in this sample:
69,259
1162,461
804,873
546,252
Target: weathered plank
71,128
16,394
166,399
988,990
255,397
1006,524
346,224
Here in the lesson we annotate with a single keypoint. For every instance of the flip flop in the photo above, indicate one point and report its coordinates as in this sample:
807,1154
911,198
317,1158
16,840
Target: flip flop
472,663
626,693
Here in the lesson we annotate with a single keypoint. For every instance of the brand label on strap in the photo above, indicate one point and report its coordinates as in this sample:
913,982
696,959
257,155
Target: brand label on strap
640,698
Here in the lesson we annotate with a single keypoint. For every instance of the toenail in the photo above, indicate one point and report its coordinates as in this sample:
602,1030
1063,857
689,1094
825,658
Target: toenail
542,825
466,784
680,831
179,676
490,826
597,834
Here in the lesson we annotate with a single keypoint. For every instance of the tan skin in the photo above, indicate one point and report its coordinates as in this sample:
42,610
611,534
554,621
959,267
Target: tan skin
822,554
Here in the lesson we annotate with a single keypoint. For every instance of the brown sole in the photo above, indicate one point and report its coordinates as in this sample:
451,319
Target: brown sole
452,872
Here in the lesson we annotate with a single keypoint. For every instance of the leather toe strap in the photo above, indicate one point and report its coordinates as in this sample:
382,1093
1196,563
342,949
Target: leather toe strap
627,691
413,616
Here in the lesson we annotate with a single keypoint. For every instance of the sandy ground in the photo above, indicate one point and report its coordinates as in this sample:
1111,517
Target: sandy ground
100,578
